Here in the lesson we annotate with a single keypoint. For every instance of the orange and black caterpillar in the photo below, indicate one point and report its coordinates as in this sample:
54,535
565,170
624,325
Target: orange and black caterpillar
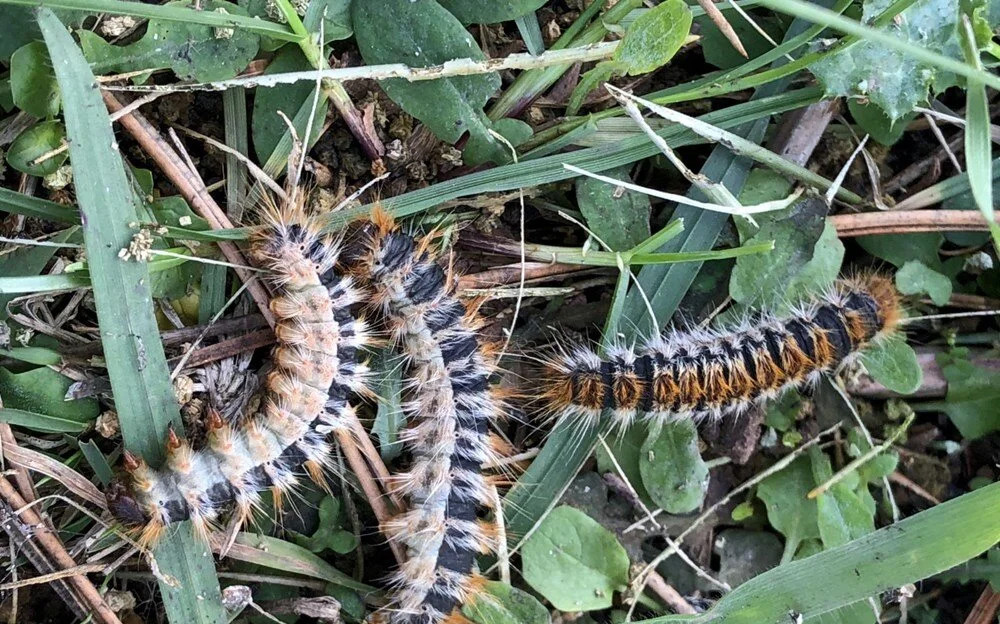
710,373
316,366
450,405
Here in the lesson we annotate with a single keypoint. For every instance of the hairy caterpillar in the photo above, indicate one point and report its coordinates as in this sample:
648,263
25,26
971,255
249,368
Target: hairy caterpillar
710,373
315,368
450,404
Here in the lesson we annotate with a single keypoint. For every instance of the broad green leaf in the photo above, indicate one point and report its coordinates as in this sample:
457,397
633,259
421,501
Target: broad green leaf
915,278
918,547
653,39
502,604
788,509
39,356
574,562
875,122
35,142
618,217
806,258
32,83
193,51
840,513
419,33
893,363
894,81
672,469
490,11
134,354
267,126
899,249
973,399
43,391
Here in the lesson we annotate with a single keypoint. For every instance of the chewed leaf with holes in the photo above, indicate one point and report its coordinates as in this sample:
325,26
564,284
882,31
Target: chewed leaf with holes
574,562
890,79
193,51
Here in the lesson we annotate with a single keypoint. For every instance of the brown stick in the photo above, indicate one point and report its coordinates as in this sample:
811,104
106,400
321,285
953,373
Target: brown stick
670,596
723,25
194,193
50,542
985,609
908,221
371,489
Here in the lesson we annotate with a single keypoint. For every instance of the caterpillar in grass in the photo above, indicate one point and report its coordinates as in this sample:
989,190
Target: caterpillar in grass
316,367
450,405
711,373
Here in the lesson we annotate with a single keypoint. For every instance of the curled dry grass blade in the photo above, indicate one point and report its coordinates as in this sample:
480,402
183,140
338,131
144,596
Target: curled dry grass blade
129,335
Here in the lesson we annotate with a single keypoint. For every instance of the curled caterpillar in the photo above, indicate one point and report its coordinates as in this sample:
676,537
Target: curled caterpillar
450,404
710,373
315,368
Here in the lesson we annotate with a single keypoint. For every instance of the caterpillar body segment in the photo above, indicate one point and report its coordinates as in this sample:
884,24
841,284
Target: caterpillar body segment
316,368
450,405
706,374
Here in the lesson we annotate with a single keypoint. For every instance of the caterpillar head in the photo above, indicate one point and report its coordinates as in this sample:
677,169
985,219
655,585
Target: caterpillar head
124,507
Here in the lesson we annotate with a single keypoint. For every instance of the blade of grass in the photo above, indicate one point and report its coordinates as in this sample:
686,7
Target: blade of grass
531,33
41,422
932,541
978,147
946,189
167,13
136,364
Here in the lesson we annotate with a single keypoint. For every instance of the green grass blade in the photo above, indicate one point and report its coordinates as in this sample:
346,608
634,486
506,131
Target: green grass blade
129,335
19,203
932,541
168,13
978,146
40,422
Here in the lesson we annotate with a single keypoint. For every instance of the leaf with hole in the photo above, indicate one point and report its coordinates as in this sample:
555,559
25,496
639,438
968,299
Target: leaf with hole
574,562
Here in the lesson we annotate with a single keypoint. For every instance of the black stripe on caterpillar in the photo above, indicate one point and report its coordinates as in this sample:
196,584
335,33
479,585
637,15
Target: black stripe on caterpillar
709,373
316,367
450,405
